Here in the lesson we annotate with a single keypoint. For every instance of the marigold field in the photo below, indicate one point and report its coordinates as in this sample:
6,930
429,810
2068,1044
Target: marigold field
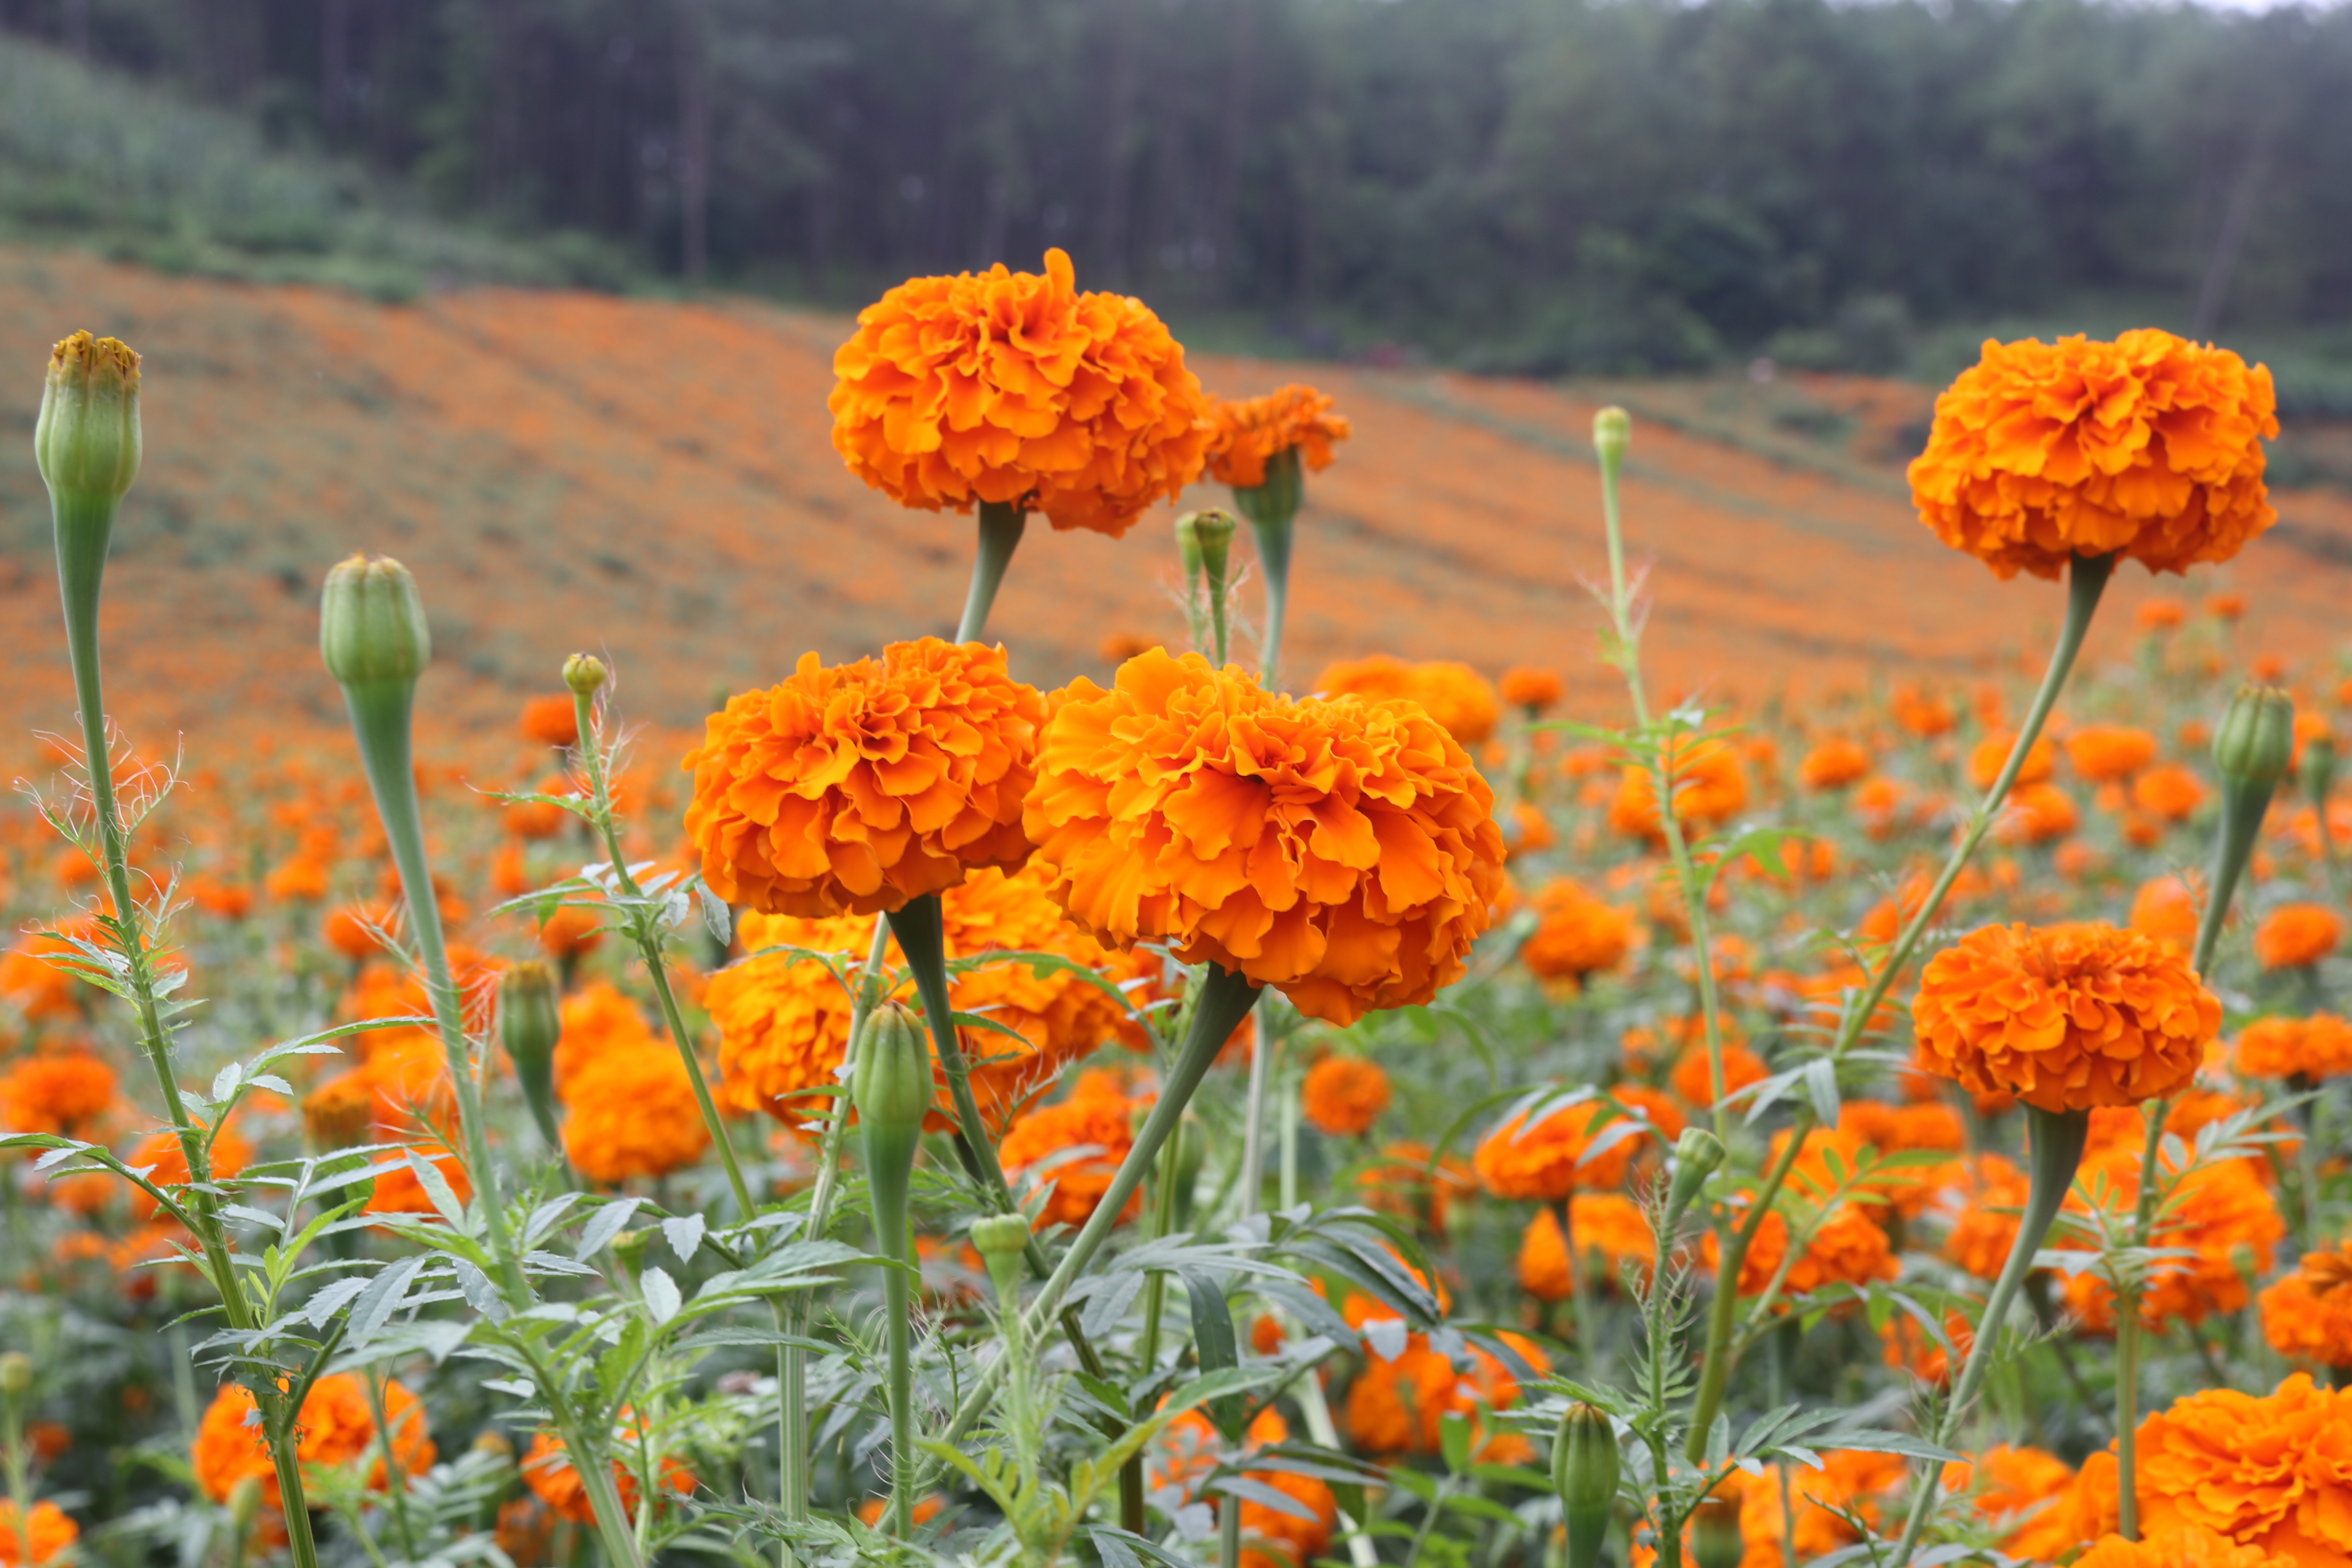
1454,973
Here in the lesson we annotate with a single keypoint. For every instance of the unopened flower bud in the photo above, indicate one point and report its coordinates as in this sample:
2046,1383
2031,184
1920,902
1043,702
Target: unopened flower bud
2319,767
1697,1155
1584,1469
1715,1539
244,1502
1207,537
86,437
630,1246
584,673
15,1375
371,629
1613,432
530,1022
338,1114
1001,1235
2256,742
892,1091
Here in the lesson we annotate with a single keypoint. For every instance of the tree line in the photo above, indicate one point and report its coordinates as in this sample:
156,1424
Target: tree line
1531,184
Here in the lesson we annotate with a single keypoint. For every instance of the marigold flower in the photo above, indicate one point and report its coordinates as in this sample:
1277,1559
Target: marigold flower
1710,788
1833,764
1694,1074
1846,1248
1188,1451
1576,934
633,1113
1910,1348
1249,434
2148,446
350,930
1398,1405
1343,1096
2064,1018
2220,1212
1014,388
2168,908
166,1164
2191,1547
1560,1152
2109,753
2294,935
570,932
2308,1314
1454,694
548,1470
1342,851
48,1529
1609,1225
1091,1133
1862,1482
2038,813
1922,714
56,1093
1534,687
1994,1201
857,788
1401,1183
2273,1471
336,1426
2313,1047
399,1189
551,721
1991,754
2023,1493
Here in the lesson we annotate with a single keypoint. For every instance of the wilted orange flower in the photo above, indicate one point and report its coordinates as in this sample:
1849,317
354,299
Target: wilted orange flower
1097,1119
60,1092
1454,694
48,1530
1014,387
548,1470
1576,934
2313,1047
1249,434
1847,1247
859,787
1558,1153
337,1426
1343,1096
2109,753
1609,1226
2273,1471
2221,1215
1711,789
2308,1314
1834,764
1532,686
2065,1017
2295,934
633,1113
1343,851
2150,446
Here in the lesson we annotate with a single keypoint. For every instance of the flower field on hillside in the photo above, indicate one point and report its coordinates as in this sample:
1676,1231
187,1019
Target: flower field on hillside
1235,1111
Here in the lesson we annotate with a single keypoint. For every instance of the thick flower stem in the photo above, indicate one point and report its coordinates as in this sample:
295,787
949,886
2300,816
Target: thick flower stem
2054,1150
2085,585
1271,508
1714,1371
2243,805
1224,1000
1000,523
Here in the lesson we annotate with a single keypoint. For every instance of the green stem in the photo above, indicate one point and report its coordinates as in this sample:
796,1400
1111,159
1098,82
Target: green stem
1000,524
1229,1531
2055,1139
395,1478
2243,805
1253,1182
1271,508
2128,1327
898,1323
1224,1000
1731,1252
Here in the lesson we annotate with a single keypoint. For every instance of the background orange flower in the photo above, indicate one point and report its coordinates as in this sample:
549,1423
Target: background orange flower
1247,434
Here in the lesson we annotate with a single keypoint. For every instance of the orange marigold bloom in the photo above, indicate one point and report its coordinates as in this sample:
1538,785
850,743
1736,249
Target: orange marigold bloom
1576,934
2109,753
1012,388
1091,1133
1343,1096
1710,788
2023,1492
1342,851
1910,1348
2037,814
633,1113
48,1530
2064,1018
166,1164
1532,686
1558,1153
2219,1213
2308,1314
336,1426
1864,1483
350,930
1609,1225
2160,612
1833,764
56,1093
548,1470
1846,1248
1923,714
2313,1047
2295,934
2191,1547
1994,1200
2170,793
570,932
1454,694
856,788
551,721
2150,446
2169,909
1401,1183
399,1190
2271,1472
1991,754
1693,1075
1250,433
1398,1405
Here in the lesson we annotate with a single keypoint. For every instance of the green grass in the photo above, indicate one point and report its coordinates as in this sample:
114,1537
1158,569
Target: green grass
126,166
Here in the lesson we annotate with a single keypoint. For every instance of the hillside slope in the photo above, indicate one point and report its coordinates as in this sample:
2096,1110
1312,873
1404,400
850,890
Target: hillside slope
653,479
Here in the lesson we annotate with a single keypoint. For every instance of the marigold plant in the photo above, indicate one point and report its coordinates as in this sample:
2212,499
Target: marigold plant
1248,434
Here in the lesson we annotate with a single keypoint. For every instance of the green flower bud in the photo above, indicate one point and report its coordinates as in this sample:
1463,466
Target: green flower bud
244,1502
629,1247
86,437
1697,1155
1613,432
2319,768
531,1021
584,673
1584,1469
1716,1540
892,1091
371,629
1001,1235
2256,742
15,1375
